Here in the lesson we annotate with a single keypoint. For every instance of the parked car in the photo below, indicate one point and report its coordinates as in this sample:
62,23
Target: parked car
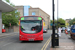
44,30
68,29
63,29
72,32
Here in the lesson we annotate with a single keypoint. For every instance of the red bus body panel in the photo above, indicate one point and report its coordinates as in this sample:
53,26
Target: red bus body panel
31,37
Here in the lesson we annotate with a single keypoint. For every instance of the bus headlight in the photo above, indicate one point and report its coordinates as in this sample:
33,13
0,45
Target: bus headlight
21,36
40,35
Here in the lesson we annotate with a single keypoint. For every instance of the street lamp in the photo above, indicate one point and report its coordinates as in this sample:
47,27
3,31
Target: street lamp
57,16
53,29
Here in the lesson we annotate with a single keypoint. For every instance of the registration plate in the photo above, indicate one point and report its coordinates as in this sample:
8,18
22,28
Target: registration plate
31,39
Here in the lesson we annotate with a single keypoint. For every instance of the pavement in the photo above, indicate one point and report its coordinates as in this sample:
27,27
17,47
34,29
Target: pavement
65,43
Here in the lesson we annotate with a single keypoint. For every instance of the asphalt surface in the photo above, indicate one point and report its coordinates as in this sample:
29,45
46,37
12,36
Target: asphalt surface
11,42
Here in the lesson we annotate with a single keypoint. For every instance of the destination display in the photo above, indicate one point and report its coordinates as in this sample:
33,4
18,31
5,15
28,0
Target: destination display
31,18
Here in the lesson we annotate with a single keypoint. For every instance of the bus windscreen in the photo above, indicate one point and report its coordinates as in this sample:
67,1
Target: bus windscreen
31,26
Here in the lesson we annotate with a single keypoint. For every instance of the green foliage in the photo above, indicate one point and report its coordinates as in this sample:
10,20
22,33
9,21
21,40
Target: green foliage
60,20
7,1
10,17
72,22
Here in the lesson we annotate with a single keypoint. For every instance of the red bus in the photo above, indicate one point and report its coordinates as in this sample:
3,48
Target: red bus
31,28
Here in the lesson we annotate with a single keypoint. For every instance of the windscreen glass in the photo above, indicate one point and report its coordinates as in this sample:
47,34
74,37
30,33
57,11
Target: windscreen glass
31,26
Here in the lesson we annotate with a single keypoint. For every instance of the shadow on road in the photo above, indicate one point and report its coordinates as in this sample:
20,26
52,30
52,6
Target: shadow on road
31,42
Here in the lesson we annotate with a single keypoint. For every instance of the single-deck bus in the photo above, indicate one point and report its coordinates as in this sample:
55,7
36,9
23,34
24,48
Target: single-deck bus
31,28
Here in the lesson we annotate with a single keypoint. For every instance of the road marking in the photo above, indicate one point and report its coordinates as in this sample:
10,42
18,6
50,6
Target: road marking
46,43
4,34
9,43
7,36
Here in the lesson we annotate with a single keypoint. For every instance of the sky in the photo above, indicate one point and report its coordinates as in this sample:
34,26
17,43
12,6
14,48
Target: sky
66,8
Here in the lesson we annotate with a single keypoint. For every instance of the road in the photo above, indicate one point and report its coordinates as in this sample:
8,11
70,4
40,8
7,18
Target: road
11,42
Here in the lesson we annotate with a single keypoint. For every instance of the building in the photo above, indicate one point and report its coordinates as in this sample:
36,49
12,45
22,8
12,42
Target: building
67,22
28,11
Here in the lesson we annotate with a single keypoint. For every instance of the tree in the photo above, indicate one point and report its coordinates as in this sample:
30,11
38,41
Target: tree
7,1
61,22
10,17
72,22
